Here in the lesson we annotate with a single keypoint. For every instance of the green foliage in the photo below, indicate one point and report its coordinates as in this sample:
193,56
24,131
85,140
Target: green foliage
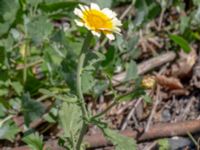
147,98
87,81
71,121
31,109
34,141
46,30
8,131
119,141
131,73
181,42
163,144
146,10
70,115
39,28
8,12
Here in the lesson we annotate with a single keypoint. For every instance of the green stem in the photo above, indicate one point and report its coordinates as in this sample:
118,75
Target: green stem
25,62
79,87
106,110
115,102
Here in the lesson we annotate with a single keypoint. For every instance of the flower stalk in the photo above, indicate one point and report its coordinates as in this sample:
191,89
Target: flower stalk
81,61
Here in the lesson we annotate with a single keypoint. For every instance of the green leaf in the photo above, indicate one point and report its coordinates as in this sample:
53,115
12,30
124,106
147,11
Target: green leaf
39,28
132,95
147,98
100,86
67,98
184,23
163,144
69,70
8,131
109,57
131,71
31,109
181,42
146,11
109,62
34,2
70,119
8,11
55,6
132,43
196,2
102,4
34,141
17,87
119,141
88,81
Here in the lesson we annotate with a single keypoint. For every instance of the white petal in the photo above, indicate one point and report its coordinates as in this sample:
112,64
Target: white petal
109,12
110,36
86,7
117,30
88,27
96,33
79,23
82,7
117,22
94,6
78,12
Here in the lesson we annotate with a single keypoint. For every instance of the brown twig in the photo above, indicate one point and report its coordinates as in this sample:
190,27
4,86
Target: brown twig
124,125
153,109
157,131
147,66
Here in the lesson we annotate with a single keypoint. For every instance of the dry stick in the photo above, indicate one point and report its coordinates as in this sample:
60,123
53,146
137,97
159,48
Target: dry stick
147,66
124,125
157,131
154,108
150,146
158,99
161,19
187,109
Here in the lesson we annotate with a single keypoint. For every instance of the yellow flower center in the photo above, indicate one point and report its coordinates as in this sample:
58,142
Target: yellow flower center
97,20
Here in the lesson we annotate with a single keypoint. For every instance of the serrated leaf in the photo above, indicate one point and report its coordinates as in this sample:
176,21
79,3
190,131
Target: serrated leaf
70,119
8,11
31,109
8,131
119,141
88,81
181,42
17,87
34,141
39,28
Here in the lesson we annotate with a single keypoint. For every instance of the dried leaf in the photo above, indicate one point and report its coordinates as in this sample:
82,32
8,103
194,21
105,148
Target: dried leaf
196,74
184,65
169,82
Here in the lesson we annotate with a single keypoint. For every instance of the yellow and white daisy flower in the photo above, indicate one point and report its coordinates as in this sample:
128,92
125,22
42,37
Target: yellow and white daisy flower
98,20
